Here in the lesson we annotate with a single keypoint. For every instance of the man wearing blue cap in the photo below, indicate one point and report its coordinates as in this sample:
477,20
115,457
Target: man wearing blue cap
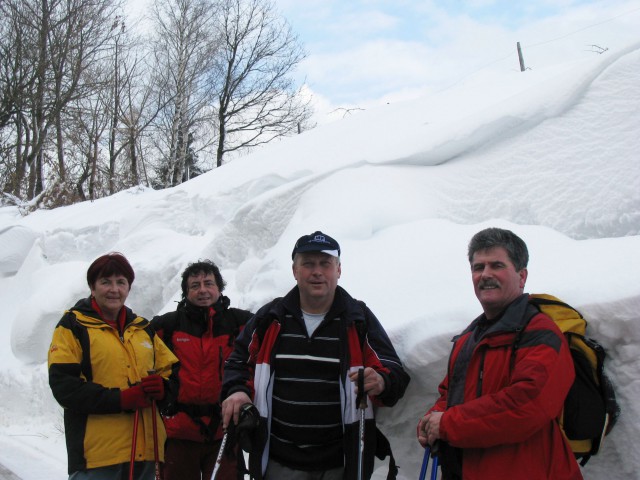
297,361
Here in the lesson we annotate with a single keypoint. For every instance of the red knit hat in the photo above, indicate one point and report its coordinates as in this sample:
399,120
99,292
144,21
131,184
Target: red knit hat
113,263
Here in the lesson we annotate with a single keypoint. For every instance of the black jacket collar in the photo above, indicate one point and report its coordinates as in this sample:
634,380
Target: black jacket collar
511,320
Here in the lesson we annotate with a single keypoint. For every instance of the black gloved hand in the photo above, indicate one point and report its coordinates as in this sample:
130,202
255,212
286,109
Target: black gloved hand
248,421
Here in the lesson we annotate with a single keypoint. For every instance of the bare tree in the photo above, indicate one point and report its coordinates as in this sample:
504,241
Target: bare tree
133,108
57,40
105,136
139,106
185,45
257,100
17,44
84,109
87,122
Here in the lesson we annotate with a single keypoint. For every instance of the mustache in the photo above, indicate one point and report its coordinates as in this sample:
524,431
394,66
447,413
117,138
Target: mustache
488,283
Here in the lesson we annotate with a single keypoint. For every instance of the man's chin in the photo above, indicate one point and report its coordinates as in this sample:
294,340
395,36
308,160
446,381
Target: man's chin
490,291
489,296
203,303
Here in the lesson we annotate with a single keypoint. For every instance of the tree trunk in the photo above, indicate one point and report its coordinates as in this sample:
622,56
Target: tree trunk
135,178
60,150
221,140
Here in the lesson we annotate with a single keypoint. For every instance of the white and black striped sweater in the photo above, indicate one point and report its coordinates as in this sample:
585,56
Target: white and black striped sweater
252,366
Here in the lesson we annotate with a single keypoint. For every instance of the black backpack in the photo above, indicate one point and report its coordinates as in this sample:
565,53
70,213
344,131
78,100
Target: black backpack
590,409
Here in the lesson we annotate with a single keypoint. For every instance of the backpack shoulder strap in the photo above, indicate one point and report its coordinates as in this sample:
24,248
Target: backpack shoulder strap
530,312
80,332
567,318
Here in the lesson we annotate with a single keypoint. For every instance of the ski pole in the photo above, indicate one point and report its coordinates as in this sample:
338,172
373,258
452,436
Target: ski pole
136,417
425,462
434,468
435,450
154,422
223,444
361,400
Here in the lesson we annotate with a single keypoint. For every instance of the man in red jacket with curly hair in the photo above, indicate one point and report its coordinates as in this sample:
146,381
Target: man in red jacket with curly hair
200,332
497,414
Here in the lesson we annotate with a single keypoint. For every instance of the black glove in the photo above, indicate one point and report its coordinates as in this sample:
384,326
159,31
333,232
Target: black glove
243,432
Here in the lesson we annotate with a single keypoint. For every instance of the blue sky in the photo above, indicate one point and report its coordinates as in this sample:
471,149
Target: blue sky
365,53
369,52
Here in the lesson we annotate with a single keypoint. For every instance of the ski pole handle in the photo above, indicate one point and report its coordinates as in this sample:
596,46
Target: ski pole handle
425,462
362,396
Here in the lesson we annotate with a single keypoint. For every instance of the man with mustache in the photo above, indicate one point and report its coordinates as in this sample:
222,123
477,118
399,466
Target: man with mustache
497,414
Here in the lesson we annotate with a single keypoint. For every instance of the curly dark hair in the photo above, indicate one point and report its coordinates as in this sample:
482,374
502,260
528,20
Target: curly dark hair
498,237
201,266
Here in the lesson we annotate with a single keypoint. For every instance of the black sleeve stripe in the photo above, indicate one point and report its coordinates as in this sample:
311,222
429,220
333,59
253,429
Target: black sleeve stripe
534,338
80,332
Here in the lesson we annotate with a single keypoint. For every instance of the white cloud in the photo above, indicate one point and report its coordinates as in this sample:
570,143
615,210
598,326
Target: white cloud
400,46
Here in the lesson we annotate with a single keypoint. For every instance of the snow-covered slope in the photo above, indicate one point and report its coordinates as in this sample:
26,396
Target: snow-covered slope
552,155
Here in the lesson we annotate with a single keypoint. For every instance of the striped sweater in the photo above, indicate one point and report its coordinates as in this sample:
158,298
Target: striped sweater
270,342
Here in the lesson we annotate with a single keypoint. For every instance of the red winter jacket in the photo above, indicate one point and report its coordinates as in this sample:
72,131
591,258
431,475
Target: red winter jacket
506,425
202,339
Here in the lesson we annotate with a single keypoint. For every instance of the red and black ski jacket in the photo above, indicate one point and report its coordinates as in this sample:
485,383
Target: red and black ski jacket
363,343
501,413
202,338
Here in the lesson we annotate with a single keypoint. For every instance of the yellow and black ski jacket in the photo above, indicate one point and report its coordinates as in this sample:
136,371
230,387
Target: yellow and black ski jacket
89,364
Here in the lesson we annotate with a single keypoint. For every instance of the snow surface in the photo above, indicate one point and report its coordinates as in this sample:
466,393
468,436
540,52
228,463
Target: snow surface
551,154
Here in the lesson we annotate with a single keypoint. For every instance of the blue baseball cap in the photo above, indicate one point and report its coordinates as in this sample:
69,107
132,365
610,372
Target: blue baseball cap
316,242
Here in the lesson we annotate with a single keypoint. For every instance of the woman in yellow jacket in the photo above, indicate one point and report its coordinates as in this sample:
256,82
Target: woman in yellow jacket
106,363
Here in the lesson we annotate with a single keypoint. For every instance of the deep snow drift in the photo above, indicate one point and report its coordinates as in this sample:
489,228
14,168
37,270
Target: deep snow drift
553,155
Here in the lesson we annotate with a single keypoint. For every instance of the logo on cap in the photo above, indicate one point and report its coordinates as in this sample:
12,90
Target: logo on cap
319,239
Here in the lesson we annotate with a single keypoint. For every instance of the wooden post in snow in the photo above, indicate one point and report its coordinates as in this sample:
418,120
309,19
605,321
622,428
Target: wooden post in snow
520,57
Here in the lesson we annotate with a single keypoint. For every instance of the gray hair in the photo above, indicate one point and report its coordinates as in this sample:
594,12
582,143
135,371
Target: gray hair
498,237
